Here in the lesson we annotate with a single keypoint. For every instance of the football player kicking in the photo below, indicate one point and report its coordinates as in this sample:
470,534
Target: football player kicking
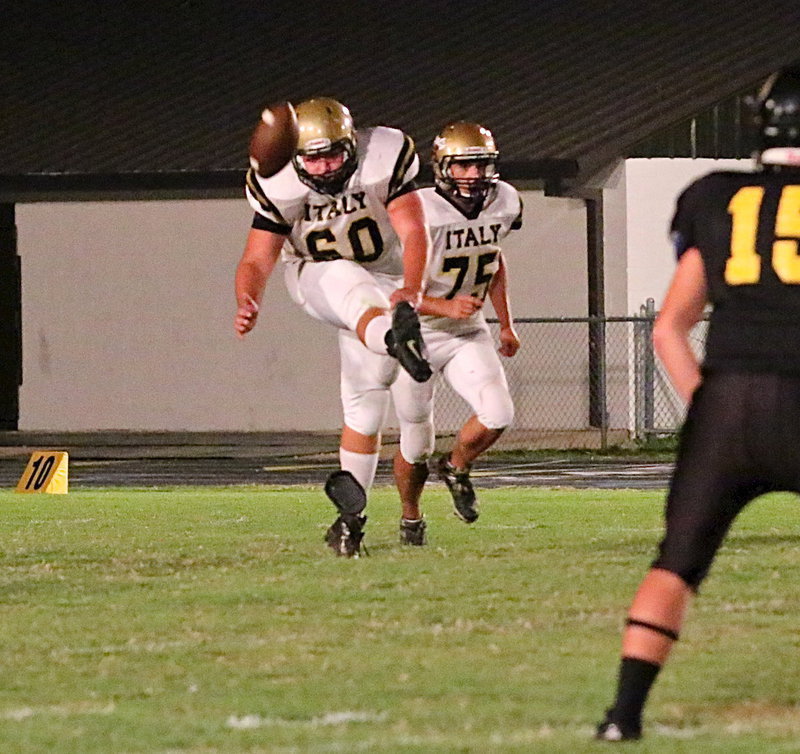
737,237
469,211
348,223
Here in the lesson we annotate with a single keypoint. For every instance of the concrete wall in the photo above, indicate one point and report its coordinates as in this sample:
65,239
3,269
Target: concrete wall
128,307
652,186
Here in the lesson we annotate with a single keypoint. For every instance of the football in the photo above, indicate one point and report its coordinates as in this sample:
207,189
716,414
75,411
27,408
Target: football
274,139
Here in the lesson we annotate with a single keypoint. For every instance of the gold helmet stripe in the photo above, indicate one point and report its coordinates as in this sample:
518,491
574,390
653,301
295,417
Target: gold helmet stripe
258,193
404,161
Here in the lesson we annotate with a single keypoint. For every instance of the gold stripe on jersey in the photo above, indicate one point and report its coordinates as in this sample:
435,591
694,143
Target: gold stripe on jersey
263,200
517,224
406,188
404,161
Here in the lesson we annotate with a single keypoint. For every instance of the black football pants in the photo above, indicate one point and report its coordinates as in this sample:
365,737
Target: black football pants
741,439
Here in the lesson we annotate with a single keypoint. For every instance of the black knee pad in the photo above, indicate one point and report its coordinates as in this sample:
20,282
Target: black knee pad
346,493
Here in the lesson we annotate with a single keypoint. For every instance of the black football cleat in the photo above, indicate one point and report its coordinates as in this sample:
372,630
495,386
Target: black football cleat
413,532
404,342
344,536
465,504
613,731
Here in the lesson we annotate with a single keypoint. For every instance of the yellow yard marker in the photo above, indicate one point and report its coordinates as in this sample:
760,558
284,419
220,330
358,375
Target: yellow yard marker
47,471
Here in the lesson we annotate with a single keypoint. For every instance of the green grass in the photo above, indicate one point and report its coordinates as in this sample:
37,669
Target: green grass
215,620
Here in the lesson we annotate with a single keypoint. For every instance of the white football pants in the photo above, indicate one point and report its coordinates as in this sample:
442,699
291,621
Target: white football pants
365,381
339,291
471,366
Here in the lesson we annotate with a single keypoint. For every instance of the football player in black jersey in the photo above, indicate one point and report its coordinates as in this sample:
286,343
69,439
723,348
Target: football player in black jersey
737,238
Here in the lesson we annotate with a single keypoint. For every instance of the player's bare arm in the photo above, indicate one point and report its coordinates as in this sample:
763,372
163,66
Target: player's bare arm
408,220
458,307
498,294
682,310
261,253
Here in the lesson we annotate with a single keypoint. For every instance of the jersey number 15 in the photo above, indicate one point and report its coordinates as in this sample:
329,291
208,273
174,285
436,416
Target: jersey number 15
744,264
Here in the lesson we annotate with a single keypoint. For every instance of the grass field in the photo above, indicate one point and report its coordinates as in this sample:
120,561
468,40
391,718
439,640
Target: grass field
215,620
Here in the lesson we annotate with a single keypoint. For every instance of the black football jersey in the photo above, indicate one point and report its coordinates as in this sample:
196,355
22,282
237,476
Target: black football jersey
747,229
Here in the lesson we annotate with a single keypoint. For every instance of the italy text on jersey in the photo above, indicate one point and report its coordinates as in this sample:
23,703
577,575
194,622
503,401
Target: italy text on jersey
353,224
465,252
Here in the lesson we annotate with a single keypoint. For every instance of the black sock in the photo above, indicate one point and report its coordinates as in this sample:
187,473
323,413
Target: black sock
635,680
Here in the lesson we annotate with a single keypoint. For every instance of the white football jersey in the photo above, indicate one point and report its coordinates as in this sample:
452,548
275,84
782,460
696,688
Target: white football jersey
465,252
353,224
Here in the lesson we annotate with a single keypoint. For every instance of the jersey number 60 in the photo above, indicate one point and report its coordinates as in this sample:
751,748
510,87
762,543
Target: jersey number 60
323,246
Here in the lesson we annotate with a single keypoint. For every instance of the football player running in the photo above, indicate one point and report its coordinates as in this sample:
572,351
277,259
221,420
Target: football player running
347,221
469,212
736,237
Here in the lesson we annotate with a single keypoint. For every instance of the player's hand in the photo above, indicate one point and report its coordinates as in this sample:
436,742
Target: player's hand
509,341
246,316
461,307
412,295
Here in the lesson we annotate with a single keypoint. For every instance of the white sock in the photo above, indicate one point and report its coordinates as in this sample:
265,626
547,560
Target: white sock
375,333
361,465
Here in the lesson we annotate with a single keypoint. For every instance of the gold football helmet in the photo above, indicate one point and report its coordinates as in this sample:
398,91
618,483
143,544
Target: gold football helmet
325,129
472,149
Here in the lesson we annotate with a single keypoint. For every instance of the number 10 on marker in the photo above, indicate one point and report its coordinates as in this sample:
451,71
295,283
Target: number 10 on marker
47,471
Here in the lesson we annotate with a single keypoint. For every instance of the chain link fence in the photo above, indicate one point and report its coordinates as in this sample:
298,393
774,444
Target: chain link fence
581,382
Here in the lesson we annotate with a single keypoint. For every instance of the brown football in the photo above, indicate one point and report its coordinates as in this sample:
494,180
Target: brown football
274,139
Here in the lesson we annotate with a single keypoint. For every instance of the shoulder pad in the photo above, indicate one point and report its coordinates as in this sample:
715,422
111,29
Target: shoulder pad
277,198
283,186
387,156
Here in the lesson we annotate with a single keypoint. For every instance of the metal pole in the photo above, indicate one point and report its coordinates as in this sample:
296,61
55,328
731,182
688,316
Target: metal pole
639,348
602,383
598,414
649,368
